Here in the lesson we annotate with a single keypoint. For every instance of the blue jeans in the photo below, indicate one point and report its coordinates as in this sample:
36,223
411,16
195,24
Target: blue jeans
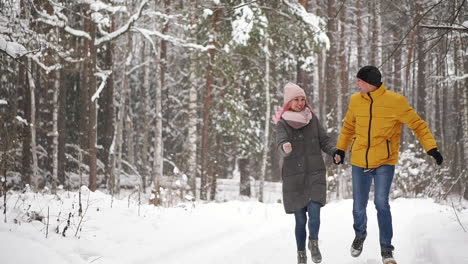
383,177
313,209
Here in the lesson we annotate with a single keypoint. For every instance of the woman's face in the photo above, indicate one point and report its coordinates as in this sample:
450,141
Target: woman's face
298,103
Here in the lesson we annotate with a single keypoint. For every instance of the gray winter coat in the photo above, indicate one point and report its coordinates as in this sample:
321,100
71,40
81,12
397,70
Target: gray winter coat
303,169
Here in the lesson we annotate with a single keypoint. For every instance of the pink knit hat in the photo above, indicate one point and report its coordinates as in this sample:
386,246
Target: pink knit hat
292,91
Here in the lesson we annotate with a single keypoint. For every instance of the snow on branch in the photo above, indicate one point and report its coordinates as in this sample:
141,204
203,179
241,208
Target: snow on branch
47,69
448,27
103,75
148,37
56,22
97,6
458,78
123,29
310,19
160,15
12,49
173,40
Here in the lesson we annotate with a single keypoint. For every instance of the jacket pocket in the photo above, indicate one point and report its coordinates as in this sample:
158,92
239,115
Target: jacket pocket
389,152
352,144
294,183
293,174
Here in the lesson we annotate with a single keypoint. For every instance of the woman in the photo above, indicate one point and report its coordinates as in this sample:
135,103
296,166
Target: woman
300,140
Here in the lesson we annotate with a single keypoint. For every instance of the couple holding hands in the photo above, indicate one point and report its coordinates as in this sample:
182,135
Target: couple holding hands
371,130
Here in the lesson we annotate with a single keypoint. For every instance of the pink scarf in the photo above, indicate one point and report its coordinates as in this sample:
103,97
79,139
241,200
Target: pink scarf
298,119
294,119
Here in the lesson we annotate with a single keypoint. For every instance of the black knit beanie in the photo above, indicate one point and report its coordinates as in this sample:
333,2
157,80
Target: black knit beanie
371,75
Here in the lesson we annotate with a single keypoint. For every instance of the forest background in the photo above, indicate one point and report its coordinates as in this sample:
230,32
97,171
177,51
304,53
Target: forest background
169,97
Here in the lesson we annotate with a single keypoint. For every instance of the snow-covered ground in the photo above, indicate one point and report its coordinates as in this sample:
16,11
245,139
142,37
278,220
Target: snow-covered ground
230,232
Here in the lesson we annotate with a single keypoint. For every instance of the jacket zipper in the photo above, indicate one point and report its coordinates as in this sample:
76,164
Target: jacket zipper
369,131
388,149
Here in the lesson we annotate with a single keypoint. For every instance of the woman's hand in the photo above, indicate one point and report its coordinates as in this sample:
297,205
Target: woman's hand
287,148
338,156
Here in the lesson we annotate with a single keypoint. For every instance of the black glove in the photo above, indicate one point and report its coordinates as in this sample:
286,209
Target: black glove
436,155
340,153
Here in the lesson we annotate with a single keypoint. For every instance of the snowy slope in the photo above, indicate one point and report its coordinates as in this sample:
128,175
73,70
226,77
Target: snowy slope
230,232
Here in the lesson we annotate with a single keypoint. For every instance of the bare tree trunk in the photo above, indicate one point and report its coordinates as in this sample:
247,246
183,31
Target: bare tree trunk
192,132
205,178
331,68
109,116
32,126
84,88
158,160
397,65
320,73
55,132
266,138
409,58
421,79
122,113
376,43
129,127
92,132
342,96
62,131
145,110
244,187
23,78
359,32
463,86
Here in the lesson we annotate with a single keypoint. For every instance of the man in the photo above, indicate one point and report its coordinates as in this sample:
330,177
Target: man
372,129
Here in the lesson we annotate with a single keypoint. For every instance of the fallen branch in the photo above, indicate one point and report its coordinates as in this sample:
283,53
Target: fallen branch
458,218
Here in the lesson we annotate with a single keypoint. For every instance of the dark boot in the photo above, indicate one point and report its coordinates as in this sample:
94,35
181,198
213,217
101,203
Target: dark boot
387,256
315,251
301,257
356,247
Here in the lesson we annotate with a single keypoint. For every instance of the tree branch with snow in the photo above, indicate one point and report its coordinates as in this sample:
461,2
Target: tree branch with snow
114,35
12,49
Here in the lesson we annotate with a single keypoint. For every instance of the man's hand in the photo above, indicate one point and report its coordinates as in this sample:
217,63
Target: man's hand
338,156
436,155
287,147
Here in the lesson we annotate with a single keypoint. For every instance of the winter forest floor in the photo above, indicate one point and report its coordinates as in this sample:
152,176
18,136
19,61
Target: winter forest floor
229,232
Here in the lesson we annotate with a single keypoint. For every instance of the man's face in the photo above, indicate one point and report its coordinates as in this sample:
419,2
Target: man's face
364,87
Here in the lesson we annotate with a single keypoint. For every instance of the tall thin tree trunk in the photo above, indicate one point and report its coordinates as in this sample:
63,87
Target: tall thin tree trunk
266,137
158,160
62,131
244,186
192,135
359,32
109,116
376,43
84,88
146,111
92,128
397,84
331,68
342,96
55,132
192,131
205,149
23,78
463,86
421,78
32,126
122,113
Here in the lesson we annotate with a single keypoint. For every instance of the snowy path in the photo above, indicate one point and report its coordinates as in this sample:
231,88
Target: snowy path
236,232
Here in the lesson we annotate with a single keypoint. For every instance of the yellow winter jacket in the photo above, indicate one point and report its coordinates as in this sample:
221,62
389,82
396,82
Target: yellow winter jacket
372,128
